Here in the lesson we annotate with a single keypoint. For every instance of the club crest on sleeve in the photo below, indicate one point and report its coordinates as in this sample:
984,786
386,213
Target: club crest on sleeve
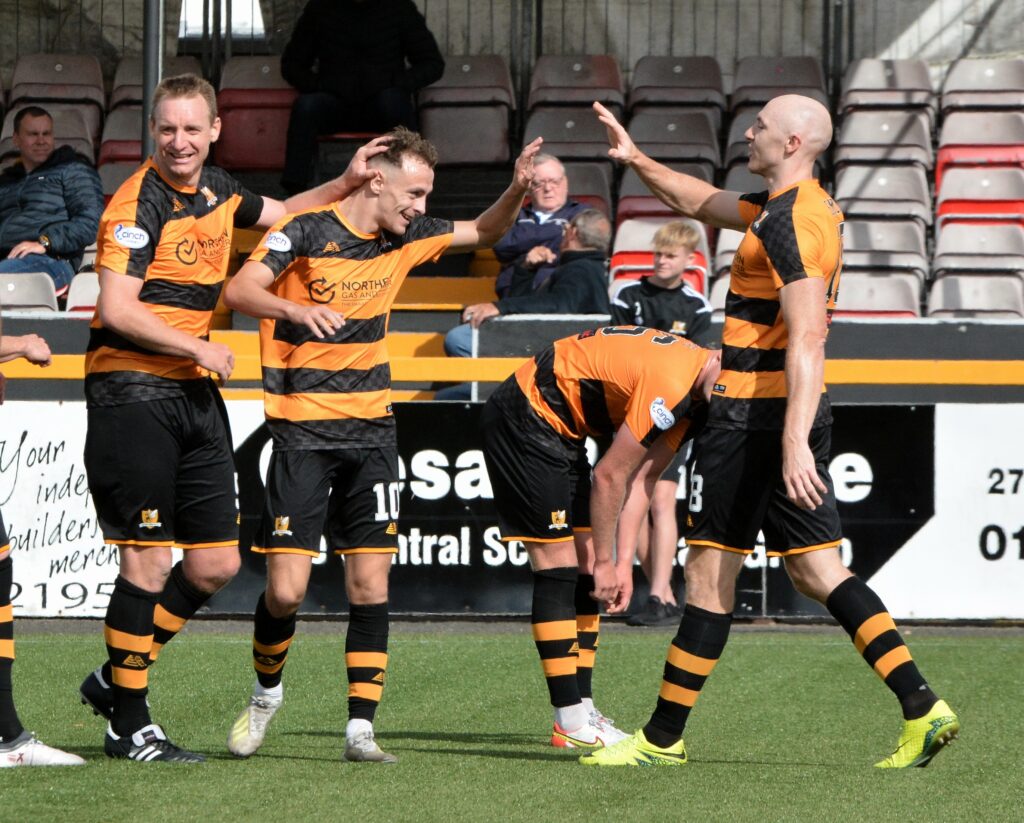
131,237
661,416
278,241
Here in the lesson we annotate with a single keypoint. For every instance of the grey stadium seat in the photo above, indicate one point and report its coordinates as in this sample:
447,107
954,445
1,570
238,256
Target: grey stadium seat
32,291
127,86
963,248
576,80
897,245
569,133
759,79
725,250
61,81
83,292
590,183
991,83
675,136
994,296
885,137
890,84
897,192
879,294
686,83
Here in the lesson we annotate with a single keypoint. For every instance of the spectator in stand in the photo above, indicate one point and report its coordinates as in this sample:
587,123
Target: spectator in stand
577,285
663,301
357,65
50,203
529,252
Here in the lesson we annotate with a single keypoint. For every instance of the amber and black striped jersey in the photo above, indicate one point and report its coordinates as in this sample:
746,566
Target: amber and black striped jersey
793,234
335,392
178,241
593,383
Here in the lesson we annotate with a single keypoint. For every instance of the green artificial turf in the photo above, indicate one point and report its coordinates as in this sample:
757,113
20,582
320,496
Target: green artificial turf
786,729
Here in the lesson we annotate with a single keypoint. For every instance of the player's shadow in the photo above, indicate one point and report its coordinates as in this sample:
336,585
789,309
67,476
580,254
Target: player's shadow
467,738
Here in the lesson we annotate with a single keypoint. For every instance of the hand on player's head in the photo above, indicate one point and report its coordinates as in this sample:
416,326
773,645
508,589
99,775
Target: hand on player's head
360,169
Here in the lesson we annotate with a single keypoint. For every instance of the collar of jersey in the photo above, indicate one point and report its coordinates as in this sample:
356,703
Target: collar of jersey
183,189
807,180
349,226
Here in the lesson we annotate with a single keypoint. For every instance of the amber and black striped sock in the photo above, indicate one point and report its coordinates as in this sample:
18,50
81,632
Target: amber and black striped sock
366,658
10,725
588,626
271,637
554,632
861,612
128,631
693,654
178,602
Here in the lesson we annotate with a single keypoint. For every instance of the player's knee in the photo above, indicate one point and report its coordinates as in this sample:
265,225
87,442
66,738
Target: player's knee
283,600
807,582
367,590
215,573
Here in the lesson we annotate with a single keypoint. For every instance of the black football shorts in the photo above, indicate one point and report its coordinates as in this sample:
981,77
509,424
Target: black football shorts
736,490
540,480
162,472
349,496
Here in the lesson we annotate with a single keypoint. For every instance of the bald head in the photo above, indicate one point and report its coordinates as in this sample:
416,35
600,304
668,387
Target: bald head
802,117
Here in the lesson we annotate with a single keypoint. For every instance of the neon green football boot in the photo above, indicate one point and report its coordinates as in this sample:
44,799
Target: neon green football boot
635,750
923,738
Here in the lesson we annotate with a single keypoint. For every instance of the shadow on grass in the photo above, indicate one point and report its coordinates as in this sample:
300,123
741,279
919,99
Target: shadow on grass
455,737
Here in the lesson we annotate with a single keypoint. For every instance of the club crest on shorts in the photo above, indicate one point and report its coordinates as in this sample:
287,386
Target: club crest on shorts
558,520
282,526
661,416
150,519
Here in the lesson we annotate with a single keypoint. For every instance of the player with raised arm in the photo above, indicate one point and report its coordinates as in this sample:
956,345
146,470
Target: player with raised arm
762,460
323,282
158,452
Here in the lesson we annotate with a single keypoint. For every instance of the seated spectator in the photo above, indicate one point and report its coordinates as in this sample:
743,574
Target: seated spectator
528,253
358,65
663,301
578,285
50,203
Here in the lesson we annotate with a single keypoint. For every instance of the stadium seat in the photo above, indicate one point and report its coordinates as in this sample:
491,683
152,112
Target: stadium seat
740,178
569,133
82,294
991,195
735,143
112,175
881,294
589,183
885,137
887,84
987,84
963,248
61,81
466,113
122,136
636,200
88,258
255,103
980,139
682,137
994,296
759,79
127,86
885,245
69,129
633,255
896,192
684,83
576,80
27,291
726,244
719,294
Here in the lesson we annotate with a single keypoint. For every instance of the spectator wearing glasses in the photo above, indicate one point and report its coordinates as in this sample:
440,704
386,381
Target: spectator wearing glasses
529,252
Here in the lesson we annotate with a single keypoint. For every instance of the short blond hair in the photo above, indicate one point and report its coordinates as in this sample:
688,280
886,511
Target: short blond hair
675,234
184,85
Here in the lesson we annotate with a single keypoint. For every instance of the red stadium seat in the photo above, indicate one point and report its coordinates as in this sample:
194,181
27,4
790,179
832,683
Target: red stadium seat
980,139
990,195
122,136
636,200
255,103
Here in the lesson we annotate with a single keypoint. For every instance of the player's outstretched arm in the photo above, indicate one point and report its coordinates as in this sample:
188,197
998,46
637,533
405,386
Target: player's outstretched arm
120,310
687,195
248,293
491,226
357,173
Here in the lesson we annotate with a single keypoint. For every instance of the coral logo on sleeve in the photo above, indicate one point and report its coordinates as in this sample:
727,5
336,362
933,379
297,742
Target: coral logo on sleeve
660,415
131,237
278,241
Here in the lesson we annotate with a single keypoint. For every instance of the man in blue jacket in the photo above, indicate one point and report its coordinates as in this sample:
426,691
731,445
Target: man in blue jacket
50,203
